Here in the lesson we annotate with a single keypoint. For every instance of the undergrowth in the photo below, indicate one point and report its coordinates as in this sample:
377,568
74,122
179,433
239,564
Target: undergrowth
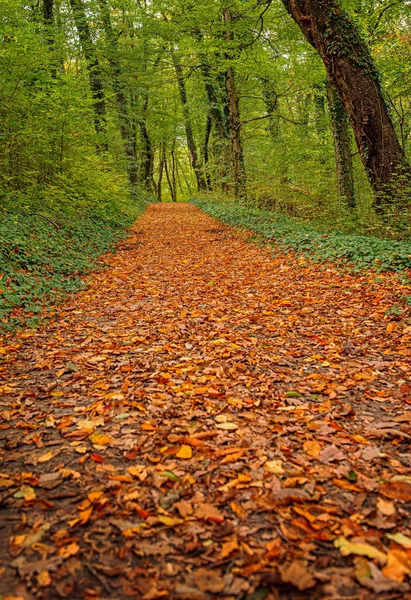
290,234
50,237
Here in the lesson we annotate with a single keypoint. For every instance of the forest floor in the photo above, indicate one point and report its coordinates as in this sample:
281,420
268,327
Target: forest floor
208,419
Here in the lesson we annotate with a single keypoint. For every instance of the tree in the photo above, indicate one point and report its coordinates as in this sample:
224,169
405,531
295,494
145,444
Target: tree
94,72
342,145
350,68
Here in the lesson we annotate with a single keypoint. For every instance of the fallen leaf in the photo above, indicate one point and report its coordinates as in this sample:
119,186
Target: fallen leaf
100,439
227,426
208,580
359,548
185,452
298,574
396,490
208,512
401,539
274,466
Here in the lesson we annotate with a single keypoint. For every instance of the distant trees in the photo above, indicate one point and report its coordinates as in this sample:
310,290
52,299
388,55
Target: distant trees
181,97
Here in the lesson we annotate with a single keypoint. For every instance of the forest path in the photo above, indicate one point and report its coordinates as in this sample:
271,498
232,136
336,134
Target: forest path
205,421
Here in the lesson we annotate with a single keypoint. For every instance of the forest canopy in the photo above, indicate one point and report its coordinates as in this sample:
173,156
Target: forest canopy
297,106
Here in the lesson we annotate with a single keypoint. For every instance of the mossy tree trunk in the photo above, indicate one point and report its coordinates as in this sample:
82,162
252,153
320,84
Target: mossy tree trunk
94,72
240,179
342,146
349,66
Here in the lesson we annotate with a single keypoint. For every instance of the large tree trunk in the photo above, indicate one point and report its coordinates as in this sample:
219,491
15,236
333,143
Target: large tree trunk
342,146
240,181
192,148
350,67
94,71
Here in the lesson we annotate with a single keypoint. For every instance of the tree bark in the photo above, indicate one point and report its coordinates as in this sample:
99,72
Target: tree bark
126,131
147,157
160,172
191,144
342,146
350,67
94,71
240,180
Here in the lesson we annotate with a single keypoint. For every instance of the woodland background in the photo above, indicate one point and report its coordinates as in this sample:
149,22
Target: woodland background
106,105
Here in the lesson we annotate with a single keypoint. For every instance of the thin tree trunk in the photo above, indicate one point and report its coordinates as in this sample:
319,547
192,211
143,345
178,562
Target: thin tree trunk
169,180
126,130
350,67
207,134
147,152
94,71
271,103
342,146
160,172
192,148
240,187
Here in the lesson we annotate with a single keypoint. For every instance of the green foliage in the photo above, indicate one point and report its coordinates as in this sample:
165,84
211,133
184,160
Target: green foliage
292,235
50,238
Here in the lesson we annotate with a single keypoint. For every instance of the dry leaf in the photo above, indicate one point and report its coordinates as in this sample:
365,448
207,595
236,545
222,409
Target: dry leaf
359,548
185,452
298,574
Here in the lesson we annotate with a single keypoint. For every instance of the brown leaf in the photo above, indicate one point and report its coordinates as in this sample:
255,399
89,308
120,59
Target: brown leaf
396,490
208,580
290,496
298,574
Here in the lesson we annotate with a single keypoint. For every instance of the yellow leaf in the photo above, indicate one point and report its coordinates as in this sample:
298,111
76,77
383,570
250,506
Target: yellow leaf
400,538
274,466
360,549
99,439
138,471
169,521
185,452
391,327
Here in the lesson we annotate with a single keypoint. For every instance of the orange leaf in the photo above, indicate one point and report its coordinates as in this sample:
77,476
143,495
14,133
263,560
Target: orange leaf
185,452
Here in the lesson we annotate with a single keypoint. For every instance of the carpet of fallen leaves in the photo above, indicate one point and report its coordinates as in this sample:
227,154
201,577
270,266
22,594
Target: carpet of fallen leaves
208,420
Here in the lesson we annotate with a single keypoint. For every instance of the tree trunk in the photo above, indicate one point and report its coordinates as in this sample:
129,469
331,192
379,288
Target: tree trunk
207,134
192,148
147,157
126,130
94,71
342,146
173,192
271,104
160,172
350,67
240,187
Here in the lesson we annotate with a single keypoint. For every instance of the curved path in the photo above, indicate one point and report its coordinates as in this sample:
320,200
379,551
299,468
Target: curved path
208,420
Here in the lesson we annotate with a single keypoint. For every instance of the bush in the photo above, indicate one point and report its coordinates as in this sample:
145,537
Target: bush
290,234
51,236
